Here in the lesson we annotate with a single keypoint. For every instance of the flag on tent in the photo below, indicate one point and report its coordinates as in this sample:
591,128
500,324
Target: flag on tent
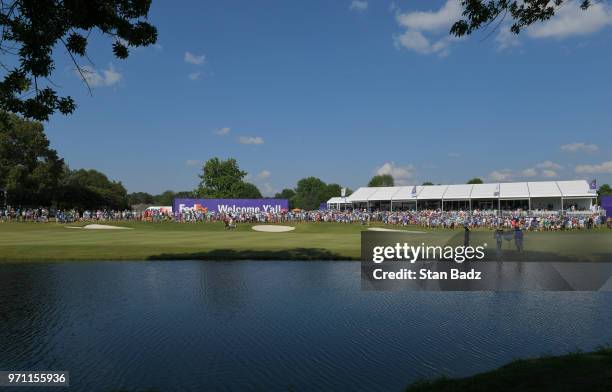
496,193
593,186
414,192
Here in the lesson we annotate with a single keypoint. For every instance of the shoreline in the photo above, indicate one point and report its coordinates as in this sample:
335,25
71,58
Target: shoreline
578,371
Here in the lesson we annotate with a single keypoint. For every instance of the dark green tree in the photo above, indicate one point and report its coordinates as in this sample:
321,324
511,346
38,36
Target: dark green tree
382,180
33,30
220,179
91,189
310,193
285,194
164,199
184,194
475,180
245,190
604,190
29,169
140,198
332,190
523,13
288,194
426,183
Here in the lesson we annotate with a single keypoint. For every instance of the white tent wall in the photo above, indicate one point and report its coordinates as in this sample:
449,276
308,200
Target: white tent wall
540,195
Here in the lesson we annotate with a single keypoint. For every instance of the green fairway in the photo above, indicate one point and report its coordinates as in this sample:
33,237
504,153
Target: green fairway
309,241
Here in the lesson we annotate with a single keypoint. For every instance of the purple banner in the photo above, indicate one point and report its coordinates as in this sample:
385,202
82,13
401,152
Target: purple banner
232,206
606,204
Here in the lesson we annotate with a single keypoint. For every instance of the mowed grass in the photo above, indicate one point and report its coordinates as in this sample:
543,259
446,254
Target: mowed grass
590,371
174,241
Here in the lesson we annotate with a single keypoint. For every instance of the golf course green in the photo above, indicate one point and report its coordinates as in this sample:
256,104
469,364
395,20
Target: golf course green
21,242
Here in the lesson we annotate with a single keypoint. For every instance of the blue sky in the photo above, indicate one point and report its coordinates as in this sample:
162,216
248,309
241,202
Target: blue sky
343,90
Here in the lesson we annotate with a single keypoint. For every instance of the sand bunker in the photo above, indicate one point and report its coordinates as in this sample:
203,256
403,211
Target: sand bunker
395,230
98,227
273,228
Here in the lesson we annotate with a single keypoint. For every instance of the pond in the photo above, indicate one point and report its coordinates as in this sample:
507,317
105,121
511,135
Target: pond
257,325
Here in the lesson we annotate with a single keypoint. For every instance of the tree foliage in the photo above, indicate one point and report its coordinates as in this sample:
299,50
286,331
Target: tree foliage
604,190
382,180
223,179
475,180
33,174
140,198
523,13
427,183
91,189
311,192
29,169
246,190
33,30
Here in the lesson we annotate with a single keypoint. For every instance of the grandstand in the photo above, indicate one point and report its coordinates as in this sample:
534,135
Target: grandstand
537,195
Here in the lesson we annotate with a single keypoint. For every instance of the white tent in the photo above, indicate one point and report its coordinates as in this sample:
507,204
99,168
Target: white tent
543,195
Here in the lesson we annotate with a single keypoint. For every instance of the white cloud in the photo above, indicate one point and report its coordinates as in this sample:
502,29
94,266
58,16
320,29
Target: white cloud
194,59
399,173
604,167
506,39
103,78
549,165
416,41
435,23
501,175
548,173
570,20
582,147
454,155
267,189
358,5
264,174
441,19
257,140
195,75
530,172
193,162
222,131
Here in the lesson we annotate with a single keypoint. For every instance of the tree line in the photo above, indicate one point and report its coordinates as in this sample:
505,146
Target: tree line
32,174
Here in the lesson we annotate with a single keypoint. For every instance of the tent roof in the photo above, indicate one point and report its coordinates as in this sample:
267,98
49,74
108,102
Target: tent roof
432,192
544,189
485,191
361,194
505,190
462,191
513,190
578,188
384,193
405,192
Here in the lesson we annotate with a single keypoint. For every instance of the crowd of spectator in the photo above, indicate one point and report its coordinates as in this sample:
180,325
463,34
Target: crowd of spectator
431,218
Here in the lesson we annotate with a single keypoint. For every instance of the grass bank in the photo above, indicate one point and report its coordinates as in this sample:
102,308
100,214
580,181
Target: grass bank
590,371
21,242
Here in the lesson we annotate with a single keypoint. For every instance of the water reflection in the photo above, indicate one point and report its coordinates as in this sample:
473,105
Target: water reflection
270,326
